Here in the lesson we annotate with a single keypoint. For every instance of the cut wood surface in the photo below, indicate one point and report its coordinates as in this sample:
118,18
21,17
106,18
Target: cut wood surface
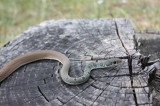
82,40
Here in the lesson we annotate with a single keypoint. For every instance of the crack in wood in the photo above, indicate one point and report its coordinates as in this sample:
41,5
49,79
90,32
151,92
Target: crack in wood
121,75
93,58
101,93
143,86
118,34
42,94
60,100
134,87
96,87
134,95
129,64
103,90
78,94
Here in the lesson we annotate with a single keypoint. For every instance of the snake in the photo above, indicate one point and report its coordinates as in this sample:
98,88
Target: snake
29,57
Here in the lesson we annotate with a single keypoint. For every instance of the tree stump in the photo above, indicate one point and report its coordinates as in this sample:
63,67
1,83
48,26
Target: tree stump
83,41
149,41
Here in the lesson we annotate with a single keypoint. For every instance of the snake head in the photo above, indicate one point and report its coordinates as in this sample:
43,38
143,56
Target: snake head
116,61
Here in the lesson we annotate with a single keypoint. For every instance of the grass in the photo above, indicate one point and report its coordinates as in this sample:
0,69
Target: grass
17,15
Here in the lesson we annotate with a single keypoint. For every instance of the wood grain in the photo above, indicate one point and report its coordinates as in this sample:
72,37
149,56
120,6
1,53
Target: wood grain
39,84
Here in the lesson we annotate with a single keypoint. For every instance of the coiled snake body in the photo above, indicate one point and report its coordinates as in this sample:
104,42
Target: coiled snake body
47,54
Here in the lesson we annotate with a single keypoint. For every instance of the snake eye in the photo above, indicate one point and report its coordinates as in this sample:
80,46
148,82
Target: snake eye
114,62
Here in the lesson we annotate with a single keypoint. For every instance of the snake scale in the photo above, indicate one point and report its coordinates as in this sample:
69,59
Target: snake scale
21,60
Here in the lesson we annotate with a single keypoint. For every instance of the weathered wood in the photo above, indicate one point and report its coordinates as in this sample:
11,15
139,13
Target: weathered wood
148,44
81,40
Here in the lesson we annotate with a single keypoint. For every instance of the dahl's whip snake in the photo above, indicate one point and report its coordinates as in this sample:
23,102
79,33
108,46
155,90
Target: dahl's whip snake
47,54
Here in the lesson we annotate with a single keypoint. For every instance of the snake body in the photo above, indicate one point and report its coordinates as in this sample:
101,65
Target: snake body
21,60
